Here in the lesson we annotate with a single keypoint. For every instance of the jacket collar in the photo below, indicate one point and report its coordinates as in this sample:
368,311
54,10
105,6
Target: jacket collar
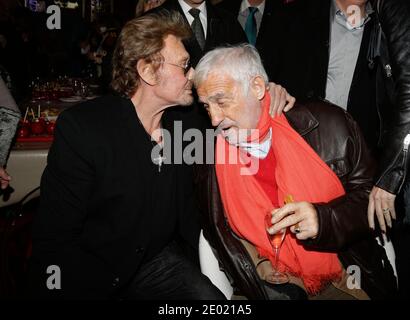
301,119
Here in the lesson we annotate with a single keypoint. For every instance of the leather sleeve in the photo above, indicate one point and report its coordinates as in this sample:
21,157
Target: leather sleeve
343,221
233,258
395,23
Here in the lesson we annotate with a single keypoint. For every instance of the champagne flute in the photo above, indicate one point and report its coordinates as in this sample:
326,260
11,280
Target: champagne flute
276,241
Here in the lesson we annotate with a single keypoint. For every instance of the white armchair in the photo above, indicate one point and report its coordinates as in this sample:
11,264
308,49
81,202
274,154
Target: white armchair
210,268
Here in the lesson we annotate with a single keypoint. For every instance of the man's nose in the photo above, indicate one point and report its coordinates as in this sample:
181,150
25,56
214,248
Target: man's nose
216,114
190,74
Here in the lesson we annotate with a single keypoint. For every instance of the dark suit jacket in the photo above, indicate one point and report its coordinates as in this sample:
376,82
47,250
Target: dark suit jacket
222,29
265,40
301,56
104,207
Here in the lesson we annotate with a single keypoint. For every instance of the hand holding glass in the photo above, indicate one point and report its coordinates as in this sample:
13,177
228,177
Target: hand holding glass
276,241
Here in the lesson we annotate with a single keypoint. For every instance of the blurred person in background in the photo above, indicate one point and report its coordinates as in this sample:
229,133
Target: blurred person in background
9,118
146,5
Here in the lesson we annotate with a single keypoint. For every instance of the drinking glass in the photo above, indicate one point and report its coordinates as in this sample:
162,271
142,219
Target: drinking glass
276,241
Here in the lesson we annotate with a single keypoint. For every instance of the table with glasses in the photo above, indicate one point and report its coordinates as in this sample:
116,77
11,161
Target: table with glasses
28,156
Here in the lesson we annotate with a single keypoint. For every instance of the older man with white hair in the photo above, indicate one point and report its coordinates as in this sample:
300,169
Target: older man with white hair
315,155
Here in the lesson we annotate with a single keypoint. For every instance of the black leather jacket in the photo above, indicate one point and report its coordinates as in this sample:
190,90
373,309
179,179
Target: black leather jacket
343,226
390,51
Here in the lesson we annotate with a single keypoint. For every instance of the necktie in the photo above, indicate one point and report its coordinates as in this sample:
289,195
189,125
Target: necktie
197,27
250,26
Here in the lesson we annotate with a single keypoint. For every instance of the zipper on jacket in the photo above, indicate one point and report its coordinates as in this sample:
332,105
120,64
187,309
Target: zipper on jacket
406,144
388,70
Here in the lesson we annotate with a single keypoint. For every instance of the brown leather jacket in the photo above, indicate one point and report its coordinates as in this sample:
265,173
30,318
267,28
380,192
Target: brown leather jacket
343,226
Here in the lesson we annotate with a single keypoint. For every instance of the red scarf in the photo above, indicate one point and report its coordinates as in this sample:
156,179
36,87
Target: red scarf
299,172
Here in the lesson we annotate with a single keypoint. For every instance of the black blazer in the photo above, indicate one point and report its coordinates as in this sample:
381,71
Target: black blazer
301,58
222,29
265,40
104,207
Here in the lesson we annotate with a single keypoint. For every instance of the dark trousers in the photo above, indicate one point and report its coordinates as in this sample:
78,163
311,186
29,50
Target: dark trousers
401,242
171,276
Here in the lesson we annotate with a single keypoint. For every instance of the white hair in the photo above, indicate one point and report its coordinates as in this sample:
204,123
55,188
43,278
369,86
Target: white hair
242,63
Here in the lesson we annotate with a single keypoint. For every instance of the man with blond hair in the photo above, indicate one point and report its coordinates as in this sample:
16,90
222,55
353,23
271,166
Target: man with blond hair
113,217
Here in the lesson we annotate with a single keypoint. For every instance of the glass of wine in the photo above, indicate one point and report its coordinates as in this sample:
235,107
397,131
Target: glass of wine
276,241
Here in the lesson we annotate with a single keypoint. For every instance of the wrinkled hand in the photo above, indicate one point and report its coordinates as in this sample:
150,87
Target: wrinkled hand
281,100
381,202
295,215
4,178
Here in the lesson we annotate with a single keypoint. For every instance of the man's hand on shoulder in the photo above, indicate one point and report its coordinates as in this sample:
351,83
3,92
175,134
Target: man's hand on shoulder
281,100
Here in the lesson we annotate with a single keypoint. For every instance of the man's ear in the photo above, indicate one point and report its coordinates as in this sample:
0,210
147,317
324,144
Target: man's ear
146,72
258,87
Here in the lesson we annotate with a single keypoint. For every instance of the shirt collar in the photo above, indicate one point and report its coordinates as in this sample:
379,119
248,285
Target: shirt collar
245,5
186,7
258,150
335,11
